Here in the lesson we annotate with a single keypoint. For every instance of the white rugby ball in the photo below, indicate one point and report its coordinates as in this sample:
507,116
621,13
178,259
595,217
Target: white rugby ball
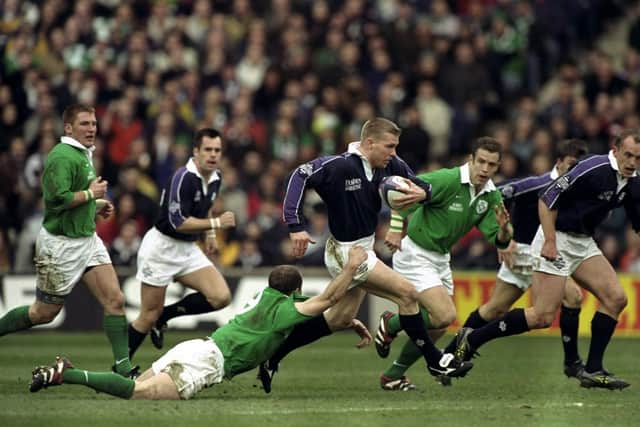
389,189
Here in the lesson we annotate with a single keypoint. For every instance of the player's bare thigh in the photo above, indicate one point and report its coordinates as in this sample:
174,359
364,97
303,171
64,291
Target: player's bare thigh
102,281
210,283
596,275
339,316
389,284
155,387
547,291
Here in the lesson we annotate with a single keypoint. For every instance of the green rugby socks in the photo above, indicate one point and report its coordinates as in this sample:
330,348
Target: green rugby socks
115,326
15,320
105,382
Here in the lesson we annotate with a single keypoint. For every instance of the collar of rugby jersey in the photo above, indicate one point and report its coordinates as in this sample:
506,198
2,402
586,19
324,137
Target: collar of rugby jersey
465,178
622,181
191,167
354,148
554,173
72,142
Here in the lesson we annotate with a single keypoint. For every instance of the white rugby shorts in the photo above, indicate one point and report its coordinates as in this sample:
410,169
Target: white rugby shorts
520,274
161,258
61,261
336,254
572,251
424,269
192,365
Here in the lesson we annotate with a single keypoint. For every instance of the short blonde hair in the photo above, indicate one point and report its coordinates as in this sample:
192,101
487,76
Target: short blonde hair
71,112
376,128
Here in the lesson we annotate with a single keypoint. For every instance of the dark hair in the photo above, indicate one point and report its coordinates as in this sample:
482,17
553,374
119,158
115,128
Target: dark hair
571,147
487,143
626,134
208,132
285,278
70,113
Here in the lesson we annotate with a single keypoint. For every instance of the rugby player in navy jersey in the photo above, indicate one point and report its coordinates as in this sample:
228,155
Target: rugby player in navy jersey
169,251
570,209
514,278
348,184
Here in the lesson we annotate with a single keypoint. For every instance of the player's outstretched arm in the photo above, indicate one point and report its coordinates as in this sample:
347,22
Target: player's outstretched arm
337,287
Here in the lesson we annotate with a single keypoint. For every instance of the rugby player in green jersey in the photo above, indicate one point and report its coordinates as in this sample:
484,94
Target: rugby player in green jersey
68,249
246,341
462,198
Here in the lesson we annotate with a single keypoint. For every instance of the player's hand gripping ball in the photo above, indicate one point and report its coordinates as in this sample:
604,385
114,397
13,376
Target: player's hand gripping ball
391,188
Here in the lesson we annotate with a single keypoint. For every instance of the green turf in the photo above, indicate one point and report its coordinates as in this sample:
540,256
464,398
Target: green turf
516,382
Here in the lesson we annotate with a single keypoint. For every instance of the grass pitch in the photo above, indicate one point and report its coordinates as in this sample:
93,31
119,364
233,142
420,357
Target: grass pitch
517,381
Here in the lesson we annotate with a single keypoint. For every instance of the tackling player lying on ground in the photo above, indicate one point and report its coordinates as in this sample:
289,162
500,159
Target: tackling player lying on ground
570,209
514,278
348,184
247,340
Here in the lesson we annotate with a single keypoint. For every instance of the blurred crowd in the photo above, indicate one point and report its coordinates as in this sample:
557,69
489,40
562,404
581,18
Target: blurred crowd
286,81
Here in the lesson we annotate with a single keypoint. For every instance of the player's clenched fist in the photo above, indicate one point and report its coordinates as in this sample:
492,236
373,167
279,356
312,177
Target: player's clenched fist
98,187
227,220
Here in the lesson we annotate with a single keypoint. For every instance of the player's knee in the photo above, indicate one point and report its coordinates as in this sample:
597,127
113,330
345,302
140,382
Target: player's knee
442,320
616,301
220,299
493,312
407,295
541,320
44,314
572,298
115,302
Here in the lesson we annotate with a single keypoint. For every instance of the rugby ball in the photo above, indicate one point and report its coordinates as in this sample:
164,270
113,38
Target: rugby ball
390,189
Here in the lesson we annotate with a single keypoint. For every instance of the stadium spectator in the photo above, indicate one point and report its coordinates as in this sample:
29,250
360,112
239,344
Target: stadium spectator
124,250
333,56
68,249
169,251
570,210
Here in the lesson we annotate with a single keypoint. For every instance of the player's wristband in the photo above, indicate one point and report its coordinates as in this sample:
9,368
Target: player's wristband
88,194
214,223
396,223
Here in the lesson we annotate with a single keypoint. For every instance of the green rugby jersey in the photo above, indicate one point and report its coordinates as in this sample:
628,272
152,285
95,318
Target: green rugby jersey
453,210
254,335
68,169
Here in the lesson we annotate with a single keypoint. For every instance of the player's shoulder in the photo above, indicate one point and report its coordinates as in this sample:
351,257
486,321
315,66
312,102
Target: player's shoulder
61,153
591,164
517,186
450,173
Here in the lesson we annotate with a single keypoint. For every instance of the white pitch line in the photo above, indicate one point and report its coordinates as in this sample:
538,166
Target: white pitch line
549,405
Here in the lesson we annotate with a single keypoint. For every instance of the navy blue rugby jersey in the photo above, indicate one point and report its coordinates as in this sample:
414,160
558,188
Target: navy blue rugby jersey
586,194
185,195
521,198
349,188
